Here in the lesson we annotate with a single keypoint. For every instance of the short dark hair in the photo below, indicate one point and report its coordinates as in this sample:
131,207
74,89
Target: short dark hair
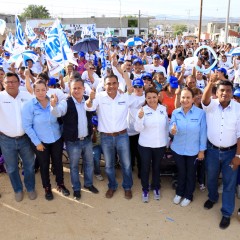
10,74
224,83
110,76
76,80
44,76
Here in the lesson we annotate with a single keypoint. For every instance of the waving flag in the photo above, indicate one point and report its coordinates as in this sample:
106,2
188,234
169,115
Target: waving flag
8,45
1,61
11,37
29,32
58,52
2,26
102,55
20,41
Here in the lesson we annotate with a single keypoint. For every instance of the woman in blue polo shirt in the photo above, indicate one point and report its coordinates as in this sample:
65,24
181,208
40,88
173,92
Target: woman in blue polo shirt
44,131
188,125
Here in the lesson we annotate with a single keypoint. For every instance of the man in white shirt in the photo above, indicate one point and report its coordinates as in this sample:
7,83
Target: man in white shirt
13,140
223,148
112,108
155,67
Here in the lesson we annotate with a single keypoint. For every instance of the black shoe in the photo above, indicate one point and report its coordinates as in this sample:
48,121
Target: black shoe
208,204
225,222
61,188
92,189
48,194
77,195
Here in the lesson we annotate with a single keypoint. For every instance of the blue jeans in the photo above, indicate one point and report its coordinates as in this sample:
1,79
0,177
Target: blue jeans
11,149
186,179
121,144
217,161
75,150
97,151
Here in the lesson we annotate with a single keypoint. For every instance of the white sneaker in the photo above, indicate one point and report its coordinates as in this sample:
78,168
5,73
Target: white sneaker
99,177
145,196
177,199
156,194
185,202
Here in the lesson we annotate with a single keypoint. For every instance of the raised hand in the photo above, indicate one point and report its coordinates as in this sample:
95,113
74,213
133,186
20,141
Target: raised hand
141,113
53,100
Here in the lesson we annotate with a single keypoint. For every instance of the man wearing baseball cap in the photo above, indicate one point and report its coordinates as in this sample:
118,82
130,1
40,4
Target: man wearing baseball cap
137,68
156,66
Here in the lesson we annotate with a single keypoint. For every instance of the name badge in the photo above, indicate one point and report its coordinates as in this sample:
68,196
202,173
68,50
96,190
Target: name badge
121,103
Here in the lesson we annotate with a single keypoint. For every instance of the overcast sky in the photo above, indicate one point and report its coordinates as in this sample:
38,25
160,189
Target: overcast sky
79,8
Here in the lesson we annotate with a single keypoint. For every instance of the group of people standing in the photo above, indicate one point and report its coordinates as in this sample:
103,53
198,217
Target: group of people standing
138,114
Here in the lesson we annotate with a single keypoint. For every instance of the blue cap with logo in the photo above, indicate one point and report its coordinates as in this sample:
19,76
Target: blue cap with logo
156,56
138,82
52,81
146,75
81,54
137,60
223,70
173,81
148,49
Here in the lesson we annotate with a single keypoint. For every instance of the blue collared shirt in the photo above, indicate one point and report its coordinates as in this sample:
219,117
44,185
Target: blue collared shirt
191,136
39,124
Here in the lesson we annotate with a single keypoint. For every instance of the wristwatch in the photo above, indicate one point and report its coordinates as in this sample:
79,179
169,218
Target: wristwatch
237,155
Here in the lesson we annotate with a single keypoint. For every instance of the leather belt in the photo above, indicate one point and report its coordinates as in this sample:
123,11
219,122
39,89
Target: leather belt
114,134
222,148
18,137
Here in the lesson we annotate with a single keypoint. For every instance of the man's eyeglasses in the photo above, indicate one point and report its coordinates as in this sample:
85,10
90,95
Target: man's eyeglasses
137,86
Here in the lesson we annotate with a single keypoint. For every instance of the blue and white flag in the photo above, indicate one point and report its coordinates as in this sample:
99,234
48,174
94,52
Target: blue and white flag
102,56
1,62
93,31
29,32
2,26
20,41
57,49
8,45
11,37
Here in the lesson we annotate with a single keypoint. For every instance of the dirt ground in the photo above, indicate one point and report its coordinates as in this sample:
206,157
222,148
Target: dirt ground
95,217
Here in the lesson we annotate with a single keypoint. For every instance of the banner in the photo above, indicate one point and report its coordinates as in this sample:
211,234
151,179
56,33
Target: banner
29,32
20,41
2,26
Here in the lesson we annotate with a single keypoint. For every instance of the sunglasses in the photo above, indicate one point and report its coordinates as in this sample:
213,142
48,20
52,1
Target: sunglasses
147,78
137,86
92,68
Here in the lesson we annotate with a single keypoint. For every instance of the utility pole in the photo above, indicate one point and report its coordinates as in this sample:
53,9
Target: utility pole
139,15
226,24
200,21
120,18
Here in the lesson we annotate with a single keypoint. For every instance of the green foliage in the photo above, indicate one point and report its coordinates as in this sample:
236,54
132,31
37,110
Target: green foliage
35,11
178,29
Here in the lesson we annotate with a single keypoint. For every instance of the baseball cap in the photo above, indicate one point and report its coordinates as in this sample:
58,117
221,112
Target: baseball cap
148,49
95,120
223,70
173,81
138,82
52,81
121,60
146,75
156,56
137,60
81,54
7,54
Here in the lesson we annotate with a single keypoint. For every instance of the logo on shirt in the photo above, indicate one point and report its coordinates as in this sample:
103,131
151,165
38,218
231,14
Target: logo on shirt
150,113
121,103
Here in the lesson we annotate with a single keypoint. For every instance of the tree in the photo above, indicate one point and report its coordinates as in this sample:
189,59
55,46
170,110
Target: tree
178,29
35,11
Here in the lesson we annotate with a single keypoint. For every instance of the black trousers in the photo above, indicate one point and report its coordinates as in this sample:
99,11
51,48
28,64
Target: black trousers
150,155
53,151
134,151
186,180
